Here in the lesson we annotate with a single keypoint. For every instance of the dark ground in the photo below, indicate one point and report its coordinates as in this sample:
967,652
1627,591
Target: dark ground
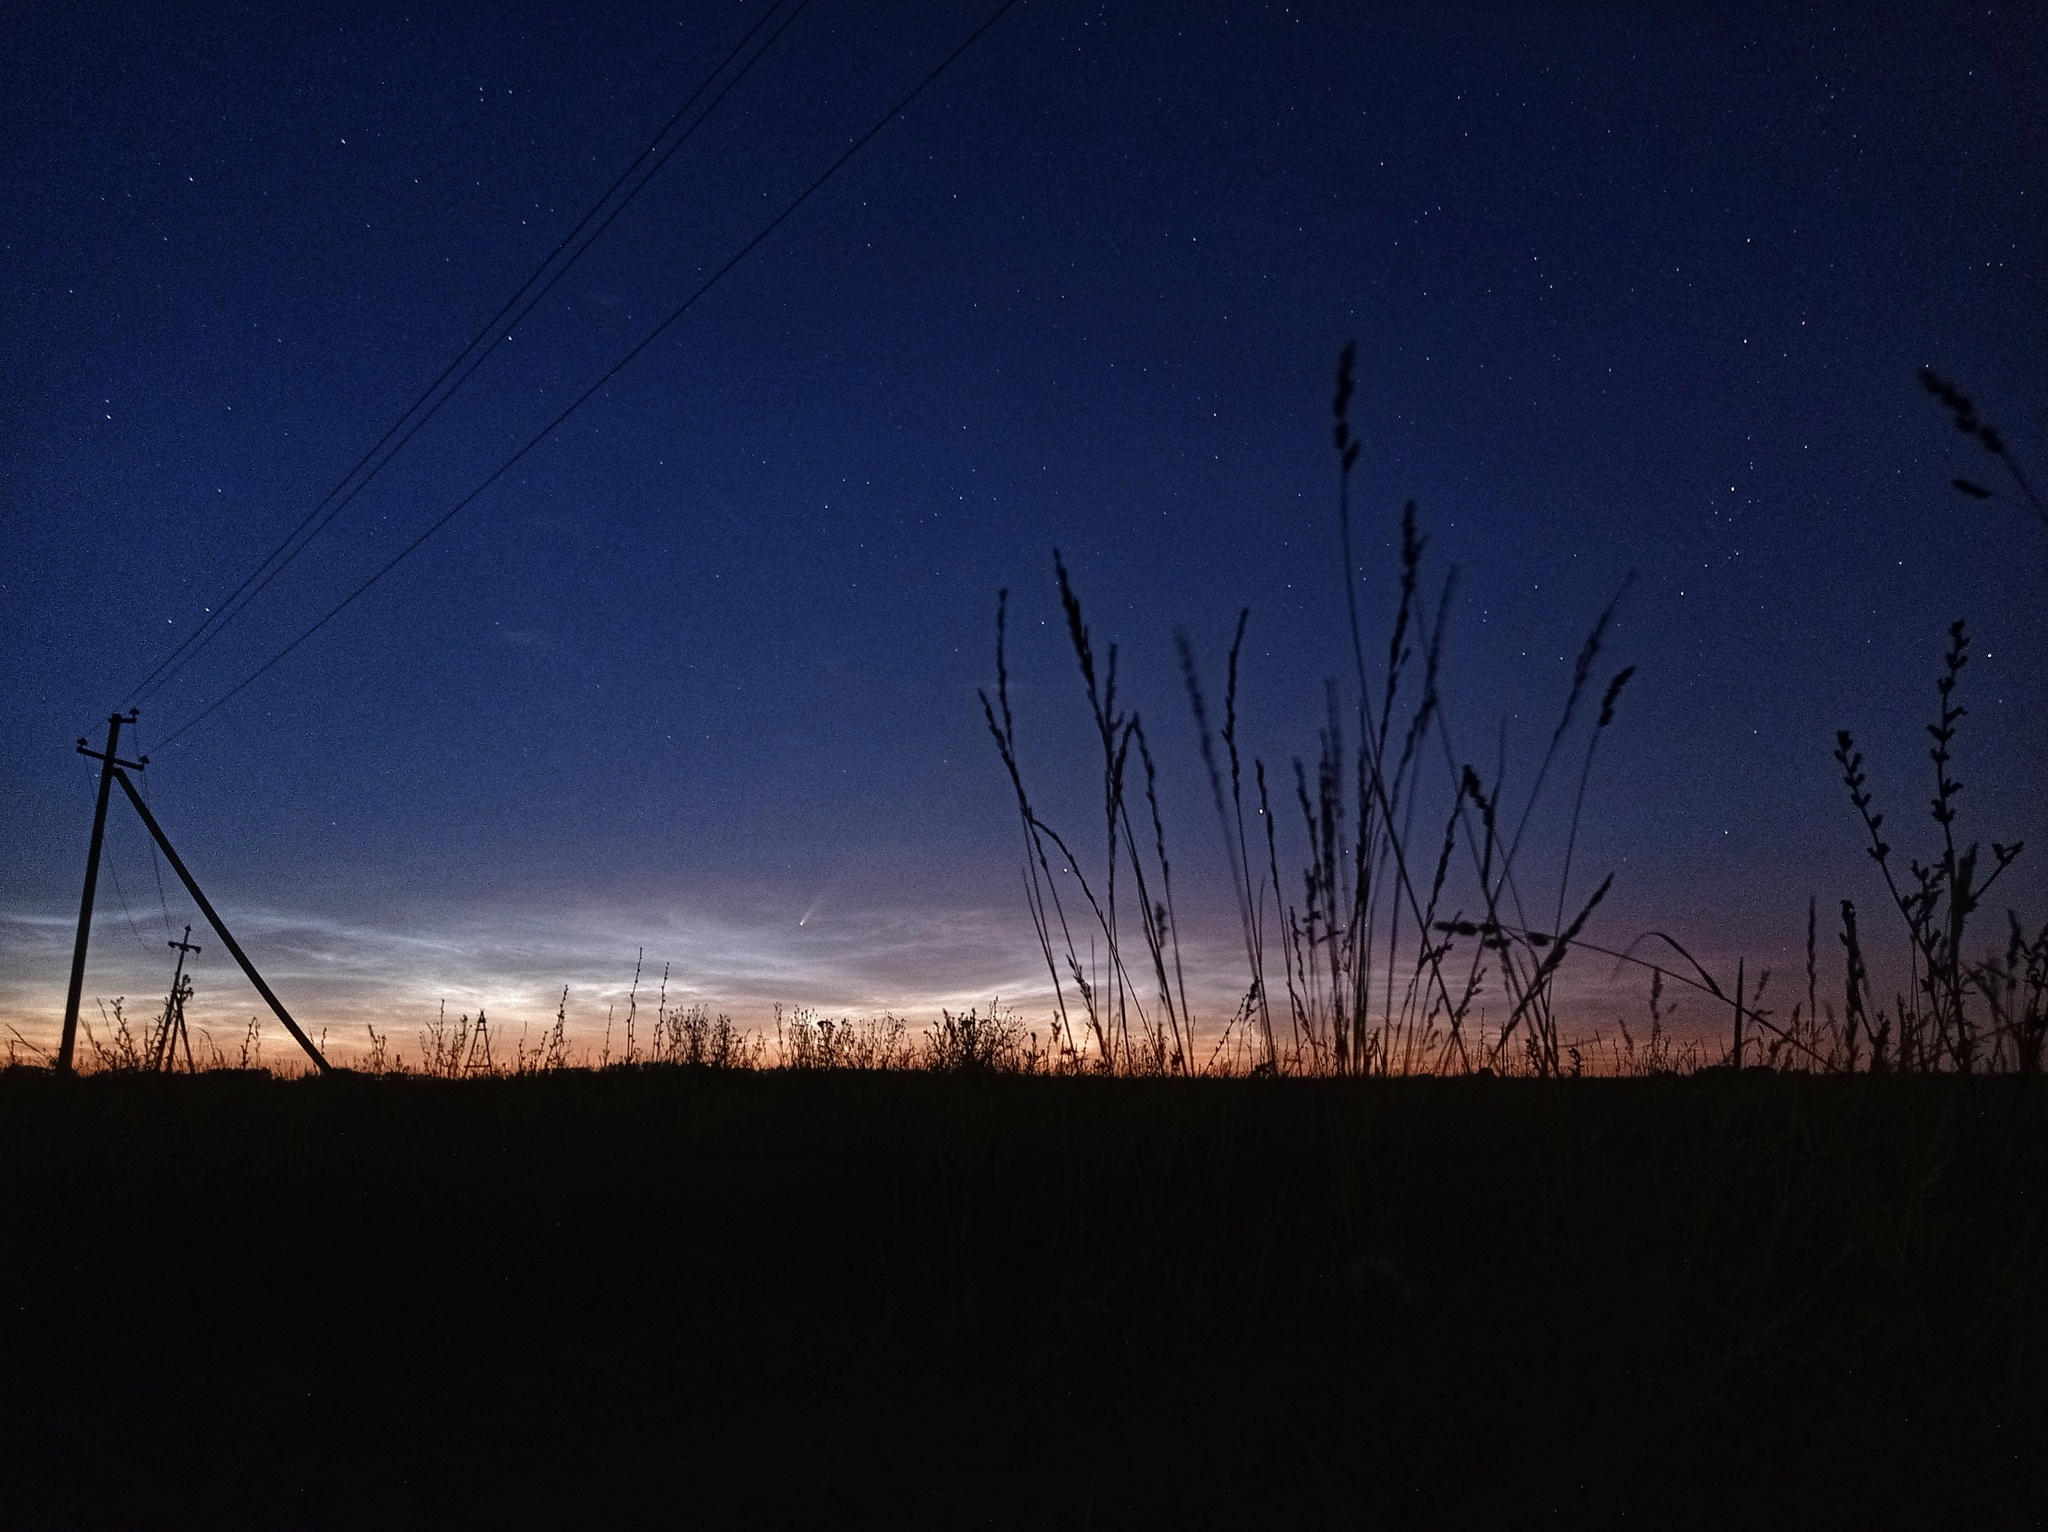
828,1299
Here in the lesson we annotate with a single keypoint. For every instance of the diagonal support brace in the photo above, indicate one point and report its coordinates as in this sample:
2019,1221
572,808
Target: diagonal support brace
206,908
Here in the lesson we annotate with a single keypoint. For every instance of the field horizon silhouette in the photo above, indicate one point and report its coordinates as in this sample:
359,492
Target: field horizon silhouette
1360,1259
790,818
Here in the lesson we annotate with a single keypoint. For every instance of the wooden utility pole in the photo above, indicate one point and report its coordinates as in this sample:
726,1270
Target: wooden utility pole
109,762
115,770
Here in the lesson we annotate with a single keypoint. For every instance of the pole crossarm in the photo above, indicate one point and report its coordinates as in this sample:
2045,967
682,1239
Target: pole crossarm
111,760
213,918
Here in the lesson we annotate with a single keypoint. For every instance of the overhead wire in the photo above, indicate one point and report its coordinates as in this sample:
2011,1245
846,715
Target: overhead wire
498,329
107,860
141,941
591,392
155,863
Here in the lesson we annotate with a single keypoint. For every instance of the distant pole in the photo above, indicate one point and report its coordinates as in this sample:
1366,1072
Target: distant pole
107,761
174,1007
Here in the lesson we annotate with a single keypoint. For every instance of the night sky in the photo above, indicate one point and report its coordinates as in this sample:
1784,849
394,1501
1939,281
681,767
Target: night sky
1634,289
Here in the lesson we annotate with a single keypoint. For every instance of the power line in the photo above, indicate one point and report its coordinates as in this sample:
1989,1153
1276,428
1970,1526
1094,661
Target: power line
140,940
117,888
155,867
496,330
114,872
583,398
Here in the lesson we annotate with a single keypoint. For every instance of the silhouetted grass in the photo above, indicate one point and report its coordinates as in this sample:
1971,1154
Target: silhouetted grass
1955,1013
1392,946
1417,913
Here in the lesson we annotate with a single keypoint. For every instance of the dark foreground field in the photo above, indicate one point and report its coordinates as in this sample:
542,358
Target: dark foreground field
773,1298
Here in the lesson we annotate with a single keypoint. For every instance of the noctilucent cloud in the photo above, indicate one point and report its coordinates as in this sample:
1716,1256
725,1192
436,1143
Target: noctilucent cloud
1642,291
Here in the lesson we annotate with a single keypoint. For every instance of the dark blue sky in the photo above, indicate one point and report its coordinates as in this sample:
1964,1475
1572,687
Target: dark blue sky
1634,289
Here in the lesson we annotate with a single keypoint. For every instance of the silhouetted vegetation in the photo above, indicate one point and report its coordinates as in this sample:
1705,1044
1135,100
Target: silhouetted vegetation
1417,906
1135,1268
1419,939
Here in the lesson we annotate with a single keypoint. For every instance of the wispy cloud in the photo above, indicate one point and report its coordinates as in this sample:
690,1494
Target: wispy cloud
394,968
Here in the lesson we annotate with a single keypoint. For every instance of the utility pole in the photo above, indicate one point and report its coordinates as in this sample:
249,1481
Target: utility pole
165,1054
109,761
114,771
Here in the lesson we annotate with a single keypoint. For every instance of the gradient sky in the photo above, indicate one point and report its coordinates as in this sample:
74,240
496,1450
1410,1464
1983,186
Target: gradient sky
1634,288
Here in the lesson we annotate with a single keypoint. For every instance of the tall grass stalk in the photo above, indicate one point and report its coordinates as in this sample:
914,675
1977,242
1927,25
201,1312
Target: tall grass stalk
1380,976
